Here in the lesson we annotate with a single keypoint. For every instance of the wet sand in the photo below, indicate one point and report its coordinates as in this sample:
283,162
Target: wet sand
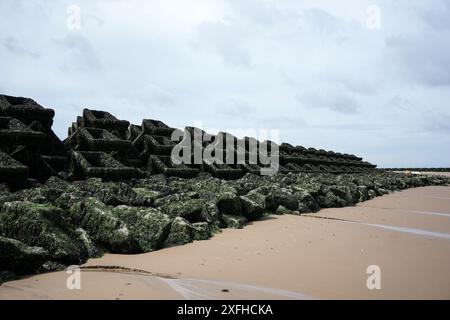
317,256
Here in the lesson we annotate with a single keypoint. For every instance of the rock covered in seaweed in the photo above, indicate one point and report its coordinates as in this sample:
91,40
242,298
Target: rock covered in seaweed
58,223
23,259
102,225
41,225
149,227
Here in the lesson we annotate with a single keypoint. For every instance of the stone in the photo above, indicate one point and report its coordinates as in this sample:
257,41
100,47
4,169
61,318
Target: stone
23,259
92,249
180,232
253,206
51,266
306,202
43,226
148,227
281,210
233,222
102,225
149,196
229,203
284,197
113,193
193,210
330,200
201,231
363,193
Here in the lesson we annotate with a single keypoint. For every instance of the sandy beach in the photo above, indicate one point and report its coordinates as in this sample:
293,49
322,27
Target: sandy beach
316,256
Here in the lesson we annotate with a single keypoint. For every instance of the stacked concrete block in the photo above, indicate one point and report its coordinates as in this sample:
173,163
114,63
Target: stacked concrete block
153,140
27,137
312,160
100,145
87,164
11,171
99,148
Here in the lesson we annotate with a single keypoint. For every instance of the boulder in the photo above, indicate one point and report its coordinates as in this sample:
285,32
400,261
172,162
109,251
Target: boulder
6,276
102,225
306,202
233,222
201,231
363,193
41,225
330,200
149,228
180,232
38,195
93,250
228,203
51,266
344,192
17,256
148,195
284,197
112,193
193,210
281,210
253,205
223,194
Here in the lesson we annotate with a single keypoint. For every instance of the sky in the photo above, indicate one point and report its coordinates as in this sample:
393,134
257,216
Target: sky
370,78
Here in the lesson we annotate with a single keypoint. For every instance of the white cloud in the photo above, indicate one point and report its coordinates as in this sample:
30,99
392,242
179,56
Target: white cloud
309,68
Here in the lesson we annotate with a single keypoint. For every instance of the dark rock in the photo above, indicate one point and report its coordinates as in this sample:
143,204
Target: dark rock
233,222
229,203
253,205
41,225
284,197
113,193
149,228
330,200
6,276
92,249
51,266
306,202
193,210
201,231
180,232
17,256
283,210
102,225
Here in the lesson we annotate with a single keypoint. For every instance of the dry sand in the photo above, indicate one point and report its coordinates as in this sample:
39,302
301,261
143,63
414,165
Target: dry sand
320,256
445,174
430,173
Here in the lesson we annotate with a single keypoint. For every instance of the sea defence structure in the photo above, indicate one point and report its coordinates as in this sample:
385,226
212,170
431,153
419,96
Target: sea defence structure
112,186
101,146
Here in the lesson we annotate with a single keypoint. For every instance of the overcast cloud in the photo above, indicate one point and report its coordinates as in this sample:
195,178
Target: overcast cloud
312,69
